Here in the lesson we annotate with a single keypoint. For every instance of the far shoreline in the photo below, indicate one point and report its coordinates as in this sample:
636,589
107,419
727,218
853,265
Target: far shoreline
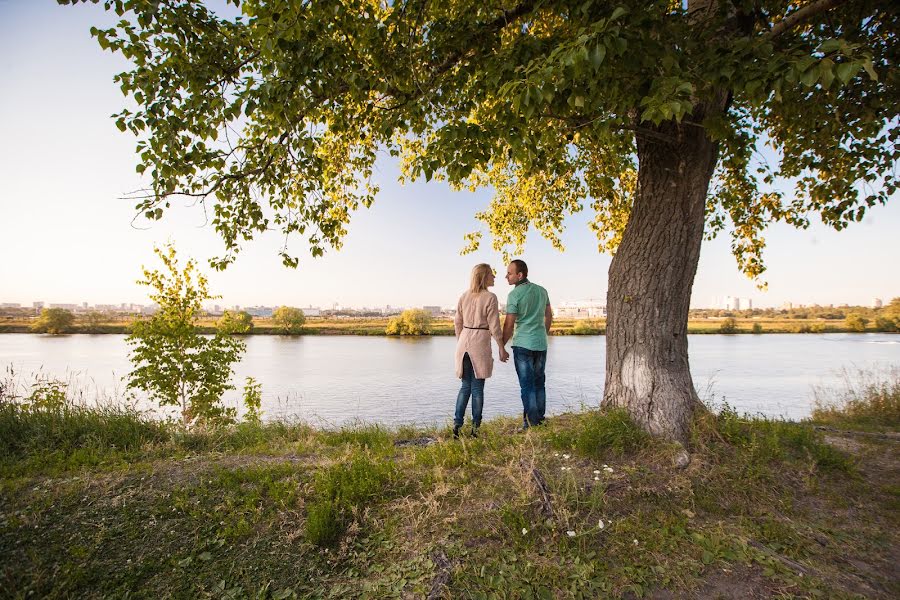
444,327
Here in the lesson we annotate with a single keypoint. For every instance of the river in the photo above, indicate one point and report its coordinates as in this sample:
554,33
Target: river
335,380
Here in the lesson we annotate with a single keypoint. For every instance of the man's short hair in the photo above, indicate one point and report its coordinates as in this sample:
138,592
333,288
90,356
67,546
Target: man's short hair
521,267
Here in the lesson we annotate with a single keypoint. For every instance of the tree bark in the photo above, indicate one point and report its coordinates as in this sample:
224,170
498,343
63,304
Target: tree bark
651,277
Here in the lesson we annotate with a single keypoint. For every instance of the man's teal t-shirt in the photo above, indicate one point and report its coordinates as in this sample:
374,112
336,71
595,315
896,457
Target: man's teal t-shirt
528,301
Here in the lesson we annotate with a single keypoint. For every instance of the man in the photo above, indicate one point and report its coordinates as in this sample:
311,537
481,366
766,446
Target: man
528,313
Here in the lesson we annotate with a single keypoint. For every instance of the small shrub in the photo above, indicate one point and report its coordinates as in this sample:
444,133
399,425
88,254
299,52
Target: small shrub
586,327
729,325
233,322
410,322
252,400
856,323
757,328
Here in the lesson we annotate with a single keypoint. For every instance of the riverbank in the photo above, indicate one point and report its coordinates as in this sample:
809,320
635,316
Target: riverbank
105,503
377,326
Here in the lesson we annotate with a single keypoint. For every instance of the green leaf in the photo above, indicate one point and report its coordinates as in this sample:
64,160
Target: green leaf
597,55
846,71
867,65
579,101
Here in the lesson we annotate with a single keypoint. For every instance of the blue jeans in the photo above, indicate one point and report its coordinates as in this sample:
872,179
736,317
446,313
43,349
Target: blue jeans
530,366
470,387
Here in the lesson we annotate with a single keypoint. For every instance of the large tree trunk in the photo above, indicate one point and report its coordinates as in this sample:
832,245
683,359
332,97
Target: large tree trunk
650,281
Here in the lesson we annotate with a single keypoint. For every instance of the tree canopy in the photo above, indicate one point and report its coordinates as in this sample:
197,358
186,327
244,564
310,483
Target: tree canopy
274,119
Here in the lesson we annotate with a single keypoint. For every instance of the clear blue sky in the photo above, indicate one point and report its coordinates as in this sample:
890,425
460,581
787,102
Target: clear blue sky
65,234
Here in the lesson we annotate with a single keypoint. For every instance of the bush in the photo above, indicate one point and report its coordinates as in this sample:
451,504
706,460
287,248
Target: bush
232,322
289,320
885,324
729,325
586,327
857,323
54,321
757,328
410,322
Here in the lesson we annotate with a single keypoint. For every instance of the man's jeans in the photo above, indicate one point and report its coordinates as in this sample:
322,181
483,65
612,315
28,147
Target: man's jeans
530,369
473,387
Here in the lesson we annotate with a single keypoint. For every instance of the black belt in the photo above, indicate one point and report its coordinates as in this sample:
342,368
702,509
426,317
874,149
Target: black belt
485,328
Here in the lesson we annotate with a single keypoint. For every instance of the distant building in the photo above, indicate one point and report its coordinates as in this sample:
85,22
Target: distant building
65,306
37,305
878,303
787,306
259,311
581,309
10,305
310,311
434,311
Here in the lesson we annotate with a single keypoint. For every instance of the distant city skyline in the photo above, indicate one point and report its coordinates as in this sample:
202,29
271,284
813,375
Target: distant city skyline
66,236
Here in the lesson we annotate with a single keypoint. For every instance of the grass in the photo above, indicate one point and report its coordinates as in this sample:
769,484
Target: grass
585,507
867,399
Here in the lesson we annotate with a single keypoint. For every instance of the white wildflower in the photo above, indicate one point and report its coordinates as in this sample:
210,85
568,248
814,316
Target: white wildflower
570,533
596,478
608,469
566,456
601,524
635,542
524,531
596,472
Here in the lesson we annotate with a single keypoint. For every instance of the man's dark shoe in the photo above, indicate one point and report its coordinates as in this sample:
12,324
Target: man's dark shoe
474,432
456,432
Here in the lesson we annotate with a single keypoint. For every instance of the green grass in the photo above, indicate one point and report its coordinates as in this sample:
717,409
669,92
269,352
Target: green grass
867,399
285,511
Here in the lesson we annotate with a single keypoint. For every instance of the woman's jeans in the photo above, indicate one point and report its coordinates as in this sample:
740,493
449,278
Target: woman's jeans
470,387
530,366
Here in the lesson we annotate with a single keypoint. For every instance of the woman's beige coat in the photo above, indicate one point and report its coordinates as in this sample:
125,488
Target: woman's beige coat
481,312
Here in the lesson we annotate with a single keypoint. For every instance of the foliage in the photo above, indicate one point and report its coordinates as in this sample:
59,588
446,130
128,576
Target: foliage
729,325
172,362
857,322
866,399
413,321
587,327
543,101
885,324
252,400
235,322
93,321
757,328
289,320
54,321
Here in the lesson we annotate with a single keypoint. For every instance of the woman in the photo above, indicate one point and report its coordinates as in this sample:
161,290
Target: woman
477,321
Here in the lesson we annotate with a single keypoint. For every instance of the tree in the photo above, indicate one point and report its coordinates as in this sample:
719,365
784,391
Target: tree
288,319
857,322
729,325
54,321
651,113
172,362
414,321
885,324
235,322
93,321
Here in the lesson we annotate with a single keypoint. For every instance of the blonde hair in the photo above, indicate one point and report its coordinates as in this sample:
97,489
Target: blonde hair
479,277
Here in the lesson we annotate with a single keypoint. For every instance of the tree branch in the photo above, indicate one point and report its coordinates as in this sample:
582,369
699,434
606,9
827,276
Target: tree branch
804,14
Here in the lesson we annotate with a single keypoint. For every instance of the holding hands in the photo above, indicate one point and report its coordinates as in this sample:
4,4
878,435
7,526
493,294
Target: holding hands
504,355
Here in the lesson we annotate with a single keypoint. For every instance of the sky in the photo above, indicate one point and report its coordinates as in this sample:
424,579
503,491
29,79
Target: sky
66,234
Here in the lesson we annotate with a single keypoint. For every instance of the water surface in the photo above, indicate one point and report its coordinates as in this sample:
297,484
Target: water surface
332,380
